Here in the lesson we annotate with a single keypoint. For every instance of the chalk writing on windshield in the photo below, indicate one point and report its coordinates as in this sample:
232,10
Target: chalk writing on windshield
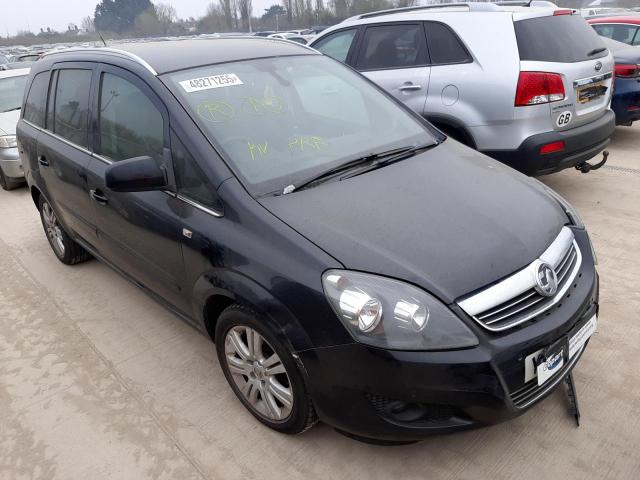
257,149
300,143
216,112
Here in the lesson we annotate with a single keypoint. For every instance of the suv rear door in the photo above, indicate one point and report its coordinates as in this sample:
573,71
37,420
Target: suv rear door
565,44
395,56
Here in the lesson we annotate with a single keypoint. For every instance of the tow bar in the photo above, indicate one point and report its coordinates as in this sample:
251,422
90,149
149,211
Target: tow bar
587,167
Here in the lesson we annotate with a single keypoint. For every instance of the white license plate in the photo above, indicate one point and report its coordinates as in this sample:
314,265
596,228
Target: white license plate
553,364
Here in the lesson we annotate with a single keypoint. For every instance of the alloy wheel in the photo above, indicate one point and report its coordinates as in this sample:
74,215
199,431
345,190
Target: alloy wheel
52,227
259,373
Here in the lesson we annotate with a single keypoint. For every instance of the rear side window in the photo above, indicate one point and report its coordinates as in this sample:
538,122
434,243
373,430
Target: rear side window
71,109
560,38
444,45
393,46
337,44
130,125
34,106
620,33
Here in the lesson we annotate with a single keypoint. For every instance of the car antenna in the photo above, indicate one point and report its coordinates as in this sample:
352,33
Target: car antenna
100,35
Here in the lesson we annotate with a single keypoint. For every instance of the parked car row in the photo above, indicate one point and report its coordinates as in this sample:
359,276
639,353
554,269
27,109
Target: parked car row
352,263
540,105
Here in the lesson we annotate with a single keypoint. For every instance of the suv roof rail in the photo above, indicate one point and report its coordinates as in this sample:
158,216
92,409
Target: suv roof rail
472,6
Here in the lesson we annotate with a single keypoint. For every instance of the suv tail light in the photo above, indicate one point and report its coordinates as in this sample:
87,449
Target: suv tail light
536,88
564,11
627,71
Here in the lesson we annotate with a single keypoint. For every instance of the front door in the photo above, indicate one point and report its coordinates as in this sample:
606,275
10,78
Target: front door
395,57
63,151
140,233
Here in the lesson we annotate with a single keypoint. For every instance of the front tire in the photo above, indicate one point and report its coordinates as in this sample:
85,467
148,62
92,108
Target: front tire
64,247
262,372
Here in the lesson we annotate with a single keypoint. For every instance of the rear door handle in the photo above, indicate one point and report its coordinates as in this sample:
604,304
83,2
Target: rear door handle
99,197
42,160
409,87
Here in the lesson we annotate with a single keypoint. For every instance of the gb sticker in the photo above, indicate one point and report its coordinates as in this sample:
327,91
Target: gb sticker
564,119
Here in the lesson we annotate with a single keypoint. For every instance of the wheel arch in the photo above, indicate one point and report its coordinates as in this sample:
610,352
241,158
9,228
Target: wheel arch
453,128
219,289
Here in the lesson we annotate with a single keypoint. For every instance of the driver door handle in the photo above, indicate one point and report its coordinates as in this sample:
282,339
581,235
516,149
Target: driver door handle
42,160
99,197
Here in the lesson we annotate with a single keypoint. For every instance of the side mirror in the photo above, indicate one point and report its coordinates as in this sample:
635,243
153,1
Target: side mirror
138,174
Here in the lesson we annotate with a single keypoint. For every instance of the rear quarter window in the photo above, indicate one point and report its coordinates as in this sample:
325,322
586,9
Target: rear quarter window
561,38
34,107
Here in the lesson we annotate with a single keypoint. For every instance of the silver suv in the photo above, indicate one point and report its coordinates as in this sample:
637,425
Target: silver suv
530,86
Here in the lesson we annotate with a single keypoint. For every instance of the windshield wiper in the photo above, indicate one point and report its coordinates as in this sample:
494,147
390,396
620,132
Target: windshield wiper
356,162
11,110
596,51
383,162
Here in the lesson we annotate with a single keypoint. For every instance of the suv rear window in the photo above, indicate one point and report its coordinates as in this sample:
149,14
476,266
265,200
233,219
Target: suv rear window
561,38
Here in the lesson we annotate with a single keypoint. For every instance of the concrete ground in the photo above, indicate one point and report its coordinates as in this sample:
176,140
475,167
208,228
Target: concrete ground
98,381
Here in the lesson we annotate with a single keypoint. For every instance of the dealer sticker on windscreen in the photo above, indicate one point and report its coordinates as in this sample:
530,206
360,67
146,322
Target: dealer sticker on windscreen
212,81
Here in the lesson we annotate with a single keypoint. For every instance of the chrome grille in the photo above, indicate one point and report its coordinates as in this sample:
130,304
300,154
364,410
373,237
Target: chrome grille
515,300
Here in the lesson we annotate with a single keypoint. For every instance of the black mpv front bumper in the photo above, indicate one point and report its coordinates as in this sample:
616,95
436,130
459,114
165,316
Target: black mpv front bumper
401,396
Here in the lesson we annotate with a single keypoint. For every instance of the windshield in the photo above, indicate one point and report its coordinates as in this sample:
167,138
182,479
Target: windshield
280,120
11,91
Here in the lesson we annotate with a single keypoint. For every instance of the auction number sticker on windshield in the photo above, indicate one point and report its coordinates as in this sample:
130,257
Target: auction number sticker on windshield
212,81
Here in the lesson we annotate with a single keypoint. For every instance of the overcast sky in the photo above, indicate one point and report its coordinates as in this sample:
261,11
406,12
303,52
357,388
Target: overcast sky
35,14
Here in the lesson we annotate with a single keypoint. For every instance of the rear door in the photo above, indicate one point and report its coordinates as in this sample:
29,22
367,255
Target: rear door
567,45
64,151
138,232
395,56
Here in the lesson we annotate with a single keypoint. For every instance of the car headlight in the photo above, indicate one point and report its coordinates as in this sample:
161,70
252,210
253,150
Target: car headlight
387,313
8,141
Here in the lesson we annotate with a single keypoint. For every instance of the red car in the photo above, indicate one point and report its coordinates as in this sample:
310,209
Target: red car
623,28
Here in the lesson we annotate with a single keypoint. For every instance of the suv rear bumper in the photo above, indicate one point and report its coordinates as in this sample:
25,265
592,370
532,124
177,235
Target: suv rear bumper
581,144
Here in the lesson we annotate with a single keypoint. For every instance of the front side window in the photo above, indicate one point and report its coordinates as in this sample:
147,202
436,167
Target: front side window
337,45
11,92
279,120
71,109
129,124
34,106
393,46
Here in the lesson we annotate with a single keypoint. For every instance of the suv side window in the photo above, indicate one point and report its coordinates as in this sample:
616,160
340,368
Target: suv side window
71,109
190,179
129,124
393,46
444,45
34,106
337,44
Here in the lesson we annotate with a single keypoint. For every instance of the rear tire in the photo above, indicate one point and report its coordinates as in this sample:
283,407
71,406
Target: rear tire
8,183
63,246
262,372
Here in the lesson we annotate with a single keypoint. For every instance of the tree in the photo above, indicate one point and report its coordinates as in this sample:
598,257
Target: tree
147,24
246,10
166,16
87,24
119,15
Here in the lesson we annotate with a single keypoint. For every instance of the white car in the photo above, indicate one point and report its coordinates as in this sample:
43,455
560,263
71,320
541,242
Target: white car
12,84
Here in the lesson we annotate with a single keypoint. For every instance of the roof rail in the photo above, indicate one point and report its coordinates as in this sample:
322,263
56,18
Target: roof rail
472,6
106,50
